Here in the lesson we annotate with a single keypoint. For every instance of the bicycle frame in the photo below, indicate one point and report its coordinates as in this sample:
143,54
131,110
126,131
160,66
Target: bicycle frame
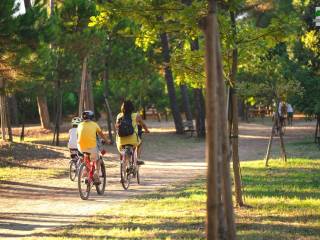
133,155
90,166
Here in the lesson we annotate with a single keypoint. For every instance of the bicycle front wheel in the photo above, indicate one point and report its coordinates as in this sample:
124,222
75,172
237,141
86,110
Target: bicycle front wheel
73,170
103,179
84,186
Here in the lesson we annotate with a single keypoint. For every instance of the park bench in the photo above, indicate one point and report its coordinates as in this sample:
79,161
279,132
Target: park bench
188,127
153,113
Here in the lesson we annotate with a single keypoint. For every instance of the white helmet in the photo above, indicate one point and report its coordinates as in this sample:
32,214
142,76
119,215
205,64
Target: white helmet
76,121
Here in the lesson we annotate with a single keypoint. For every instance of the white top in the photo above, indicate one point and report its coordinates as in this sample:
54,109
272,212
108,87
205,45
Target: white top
289,108
73,138
280,107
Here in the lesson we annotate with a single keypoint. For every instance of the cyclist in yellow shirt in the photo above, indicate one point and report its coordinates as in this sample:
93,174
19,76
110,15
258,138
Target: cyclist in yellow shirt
87,132
133,139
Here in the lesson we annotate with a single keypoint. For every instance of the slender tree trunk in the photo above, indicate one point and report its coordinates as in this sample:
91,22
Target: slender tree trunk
317,132
106,94
270,144
27,4
22,127
186,102
199,103
224,138
7,109
200,112
5,113
234,116
86,96
212,133
56,136
43,111
170,83
90,92
13,109
283,150
217,137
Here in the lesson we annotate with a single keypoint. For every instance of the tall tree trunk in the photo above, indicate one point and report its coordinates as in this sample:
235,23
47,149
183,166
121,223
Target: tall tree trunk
5,113
13,109
234,116
224,139
317,132
27,4
186,102
43,111
217,136
56,135
170,84
106,94
3,116
212,133
200,114
90,92
86,95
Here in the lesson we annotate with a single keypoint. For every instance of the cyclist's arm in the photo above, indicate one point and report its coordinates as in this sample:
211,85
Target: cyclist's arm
141,122
104,137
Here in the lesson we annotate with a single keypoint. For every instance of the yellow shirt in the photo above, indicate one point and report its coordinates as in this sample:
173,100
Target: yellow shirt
132,139
87,134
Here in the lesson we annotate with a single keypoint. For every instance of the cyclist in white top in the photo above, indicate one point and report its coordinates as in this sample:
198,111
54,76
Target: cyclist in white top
73,143
289,114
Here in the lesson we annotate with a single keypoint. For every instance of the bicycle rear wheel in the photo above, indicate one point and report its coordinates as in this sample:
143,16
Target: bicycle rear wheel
103,179
73,170
84,186
125,175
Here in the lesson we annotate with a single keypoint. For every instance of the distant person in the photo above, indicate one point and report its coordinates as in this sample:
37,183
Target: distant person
87,140
289,114
134,139
282,111
73,140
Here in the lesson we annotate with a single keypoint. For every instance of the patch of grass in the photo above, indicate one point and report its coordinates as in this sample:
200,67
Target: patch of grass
284,200
29,173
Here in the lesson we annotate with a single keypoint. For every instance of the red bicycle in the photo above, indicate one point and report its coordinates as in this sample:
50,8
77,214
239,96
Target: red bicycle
86,179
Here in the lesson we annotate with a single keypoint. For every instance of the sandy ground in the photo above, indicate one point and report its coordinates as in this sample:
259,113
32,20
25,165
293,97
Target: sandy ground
29,206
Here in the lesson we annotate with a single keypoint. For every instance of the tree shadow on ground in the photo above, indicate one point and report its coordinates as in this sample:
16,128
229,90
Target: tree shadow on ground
15,154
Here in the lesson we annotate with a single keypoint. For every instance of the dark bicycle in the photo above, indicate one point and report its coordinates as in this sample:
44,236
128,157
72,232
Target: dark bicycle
129,169
74,164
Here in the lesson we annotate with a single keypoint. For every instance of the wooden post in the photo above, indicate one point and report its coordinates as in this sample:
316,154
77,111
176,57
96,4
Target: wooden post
270,144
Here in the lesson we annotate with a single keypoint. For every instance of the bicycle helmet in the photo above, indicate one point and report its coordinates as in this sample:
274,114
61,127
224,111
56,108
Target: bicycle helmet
87,115
75,121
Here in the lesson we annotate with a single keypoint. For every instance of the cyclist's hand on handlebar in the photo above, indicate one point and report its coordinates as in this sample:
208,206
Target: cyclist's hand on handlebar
147,131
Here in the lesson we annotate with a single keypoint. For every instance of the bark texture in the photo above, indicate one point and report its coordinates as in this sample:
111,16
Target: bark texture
234,117
220,219
186,102
43,111
199,103
86,95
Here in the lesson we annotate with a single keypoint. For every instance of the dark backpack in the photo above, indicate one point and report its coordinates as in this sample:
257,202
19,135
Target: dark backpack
125,126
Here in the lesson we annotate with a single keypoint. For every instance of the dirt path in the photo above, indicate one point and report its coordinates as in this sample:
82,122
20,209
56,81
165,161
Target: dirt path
28,206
